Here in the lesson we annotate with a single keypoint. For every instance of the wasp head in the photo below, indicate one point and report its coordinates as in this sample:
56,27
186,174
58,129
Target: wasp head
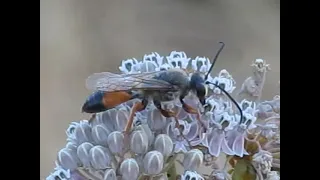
197,84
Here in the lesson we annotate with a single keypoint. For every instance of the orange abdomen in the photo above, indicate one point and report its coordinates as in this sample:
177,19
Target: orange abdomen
112,99
101,101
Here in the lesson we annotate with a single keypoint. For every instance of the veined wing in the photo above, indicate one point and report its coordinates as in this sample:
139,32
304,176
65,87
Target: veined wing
111,82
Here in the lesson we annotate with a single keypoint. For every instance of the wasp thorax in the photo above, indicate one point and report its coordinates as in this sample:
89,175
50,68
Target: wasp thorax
110,174
129,169
192,160
83,153
163,144
139,142
100,158
153,162
115,142
68,159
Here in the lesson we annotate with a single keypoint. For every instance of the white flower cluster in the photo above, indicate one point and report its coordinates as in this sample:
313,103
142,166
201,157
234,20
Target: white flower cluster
99,150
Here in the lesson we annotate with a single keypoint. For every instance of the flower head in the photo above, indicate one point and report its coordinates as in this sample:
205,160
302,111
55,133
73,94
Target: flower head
178,59
129,66
184,136
101,149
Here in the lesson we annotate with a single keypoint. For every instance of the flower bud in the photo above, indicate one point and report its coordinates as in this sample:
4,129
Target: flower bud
106,118
145,128
153,162
139,142
129,169
83,132
83,153
100,158
110,174
68,159
115,142
72,145
155,120
121,119
100,134
163,144
148,66
192,160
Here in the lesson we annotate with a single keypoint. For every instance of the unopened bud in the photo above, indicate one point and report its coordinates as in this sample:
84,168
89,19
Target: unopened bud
100,134
68,159
163,144
100,158
110,174
83,153
115,142
129,169
139,142
192,160
153,162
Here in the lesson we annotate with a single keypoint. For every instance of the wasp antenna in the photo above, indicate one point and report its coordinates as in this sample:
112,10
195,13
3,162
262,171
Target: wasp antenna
214,60
231,98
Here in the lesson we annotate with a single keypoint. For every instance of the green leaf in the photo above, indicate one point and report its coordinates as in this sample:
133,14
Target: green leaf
244,171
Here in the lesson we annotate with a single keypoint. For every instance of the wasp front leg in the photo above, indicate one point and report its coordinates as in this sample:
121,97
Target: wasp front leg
139,106
166,113
189,109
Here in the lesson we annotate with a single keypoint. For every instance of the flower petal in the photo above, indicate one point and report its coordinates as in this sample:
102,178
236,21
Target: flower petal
225,148
180,147
215,143
193,131
238,145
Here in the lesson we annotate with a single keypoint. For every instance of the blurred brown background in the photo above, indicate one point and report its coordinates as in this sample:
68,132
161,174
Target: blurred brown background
80,37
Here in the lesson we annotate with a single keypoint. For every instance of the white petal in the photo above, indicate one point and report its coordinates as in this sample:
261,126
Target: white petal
238,146
215,143
225,148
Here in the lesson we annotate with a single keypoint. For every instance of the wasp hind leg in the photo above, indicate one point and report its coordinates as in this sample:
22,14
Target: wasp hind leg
166,113
139,106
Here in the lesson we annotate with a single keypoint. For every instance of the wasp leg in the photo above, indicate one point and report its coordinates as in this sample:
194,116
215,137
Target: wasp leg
166,113
189,109
93,116
140,106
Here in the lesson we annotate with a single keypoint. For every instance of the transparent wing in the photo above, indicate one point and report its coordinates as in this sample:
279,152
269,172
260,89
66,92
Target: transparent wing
110,82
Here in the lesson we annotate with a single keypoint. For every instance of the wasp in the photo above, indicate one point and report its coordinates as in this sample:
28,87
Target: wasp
112,90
